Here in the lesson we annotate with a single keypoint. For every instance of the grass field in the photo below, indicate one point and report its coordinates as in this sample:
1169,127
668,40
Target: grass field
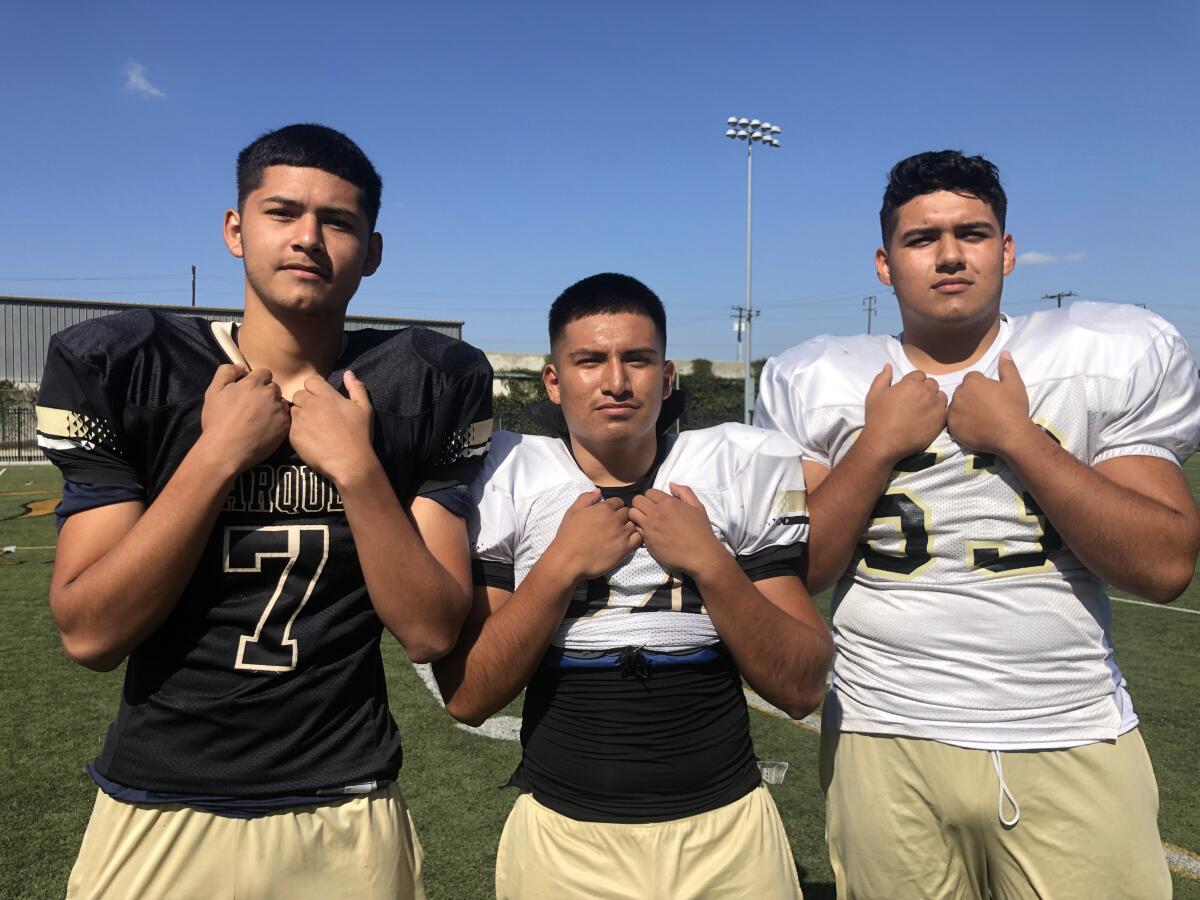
53,716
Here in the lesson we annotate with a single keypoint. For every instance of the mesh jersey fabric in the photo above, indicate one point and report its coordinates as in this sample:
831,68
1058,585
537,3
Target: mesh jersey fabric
962,617
749,481
265,679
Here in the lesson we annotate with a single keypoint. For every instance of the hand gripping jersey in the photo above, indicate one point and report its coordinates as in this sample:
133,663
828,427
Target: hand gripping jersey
962,617
637,712
266,678
748,480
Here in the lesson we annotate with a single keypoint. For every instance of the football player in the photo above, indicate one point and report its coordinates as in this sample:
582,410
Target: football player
629,579
975,483
246,507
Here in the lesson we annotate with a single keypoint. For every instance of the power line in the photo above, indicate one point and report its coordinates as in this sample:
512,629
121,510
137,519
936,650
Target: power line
1059,296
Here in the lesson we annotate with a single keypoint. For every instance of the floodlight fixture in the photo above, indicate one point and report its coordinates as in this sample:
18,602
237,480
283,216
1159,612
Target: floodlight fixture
760,132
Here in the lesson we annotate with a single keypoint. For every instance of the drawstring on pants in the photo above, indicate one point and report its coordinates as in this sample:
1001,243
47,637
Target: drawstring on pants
1005,794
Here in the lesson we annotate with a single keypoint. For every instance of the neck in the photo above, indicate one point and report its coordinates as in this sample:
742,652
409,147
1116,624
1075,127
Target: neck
293,349
615,463
941,349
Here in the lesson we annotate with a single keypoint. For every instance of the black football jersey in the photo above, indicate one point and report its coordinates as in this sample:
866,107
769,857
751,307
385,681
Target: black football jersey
266,678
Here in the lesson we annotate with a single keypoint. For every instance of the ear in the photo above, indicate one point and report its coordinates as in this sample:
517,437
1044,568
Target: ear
374,254
550,381
232,232
882,268
668,379
1010,254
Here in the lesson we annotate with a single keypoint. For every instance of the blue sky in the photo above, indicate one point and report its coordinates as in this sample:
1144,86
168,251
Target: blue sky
526,145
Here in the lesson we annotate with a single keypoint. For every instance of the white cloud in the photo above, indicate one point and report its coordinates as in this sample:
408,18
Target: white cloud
136,81
1033,258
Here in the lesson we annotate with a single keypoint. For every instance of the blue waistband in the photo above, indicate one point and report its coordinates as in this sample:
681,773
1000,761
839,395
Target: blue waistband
616,659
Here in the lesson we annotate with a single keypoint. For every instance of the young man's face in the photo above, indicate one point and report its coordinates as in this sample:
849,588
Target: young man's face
610,376
946,260
305,241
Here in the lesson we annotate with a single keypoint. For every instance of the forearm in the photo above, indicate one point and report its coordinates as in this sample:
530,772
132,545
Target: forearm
1128,539
498,655
839,508
784,659
415,597
113,603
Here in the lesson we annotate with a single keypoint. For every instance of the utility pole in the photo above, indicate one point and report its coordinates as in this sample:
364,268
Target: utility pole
193,285
741,324
869,306
1059,296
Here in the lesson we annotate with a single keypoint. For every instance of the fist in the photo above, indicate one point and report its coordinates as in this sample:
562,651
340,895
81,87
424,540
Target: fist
988,414
596,535
906,417
244,418
675,529
332,433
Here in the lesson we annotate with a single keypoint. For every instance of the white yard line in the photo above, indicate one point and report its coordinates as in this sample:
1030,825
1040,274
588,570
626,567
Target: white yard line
1182,862
499,728
1166,606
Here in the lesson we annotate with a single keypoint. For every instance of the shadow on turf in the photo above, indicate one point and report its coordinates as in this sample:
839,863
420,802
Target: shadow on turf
815,890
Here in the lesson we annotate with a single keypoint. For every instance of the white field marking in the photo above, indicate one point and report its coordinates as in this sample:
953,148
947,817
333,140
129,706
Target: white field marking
1166,606
1182,862
811,722
499,728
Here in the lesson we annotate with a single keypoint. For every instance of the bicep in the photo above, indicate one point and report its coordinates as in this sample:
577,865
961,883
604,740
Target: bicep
87,536
814,474
1160,480
789,594
487,600
445,536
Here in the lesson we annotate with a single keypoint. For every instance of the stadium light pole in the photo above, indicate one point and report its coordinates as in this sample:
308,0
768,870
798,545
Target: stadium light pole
752,131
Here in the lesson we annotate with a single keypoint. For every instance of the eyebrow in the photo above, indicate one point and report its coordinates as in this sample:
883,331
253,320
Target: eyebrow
980,225
596,351
291,201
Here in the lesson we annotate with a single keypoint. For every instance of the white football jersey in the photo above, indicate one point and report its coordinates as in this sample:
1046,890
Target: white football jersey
749,481
962,617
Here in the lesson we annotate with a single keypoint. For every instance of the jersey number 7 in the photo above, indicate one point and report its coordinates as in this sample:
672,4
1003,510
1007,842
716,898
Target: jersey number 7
298,554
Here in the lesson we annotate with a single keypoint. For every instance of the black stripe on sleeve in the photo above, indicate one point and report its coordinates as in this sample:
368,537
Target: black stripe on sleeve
487,573
772,562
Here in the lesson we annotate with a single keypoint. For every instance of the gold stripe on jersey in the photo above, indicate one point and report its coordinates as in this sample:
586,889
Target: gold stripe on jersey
80,426
789,503
479,432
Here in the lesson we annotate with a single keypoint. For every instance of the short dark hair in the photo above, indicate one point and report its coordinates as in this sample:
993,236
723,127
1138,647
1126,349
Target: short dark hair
313,147
941,170
606,293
